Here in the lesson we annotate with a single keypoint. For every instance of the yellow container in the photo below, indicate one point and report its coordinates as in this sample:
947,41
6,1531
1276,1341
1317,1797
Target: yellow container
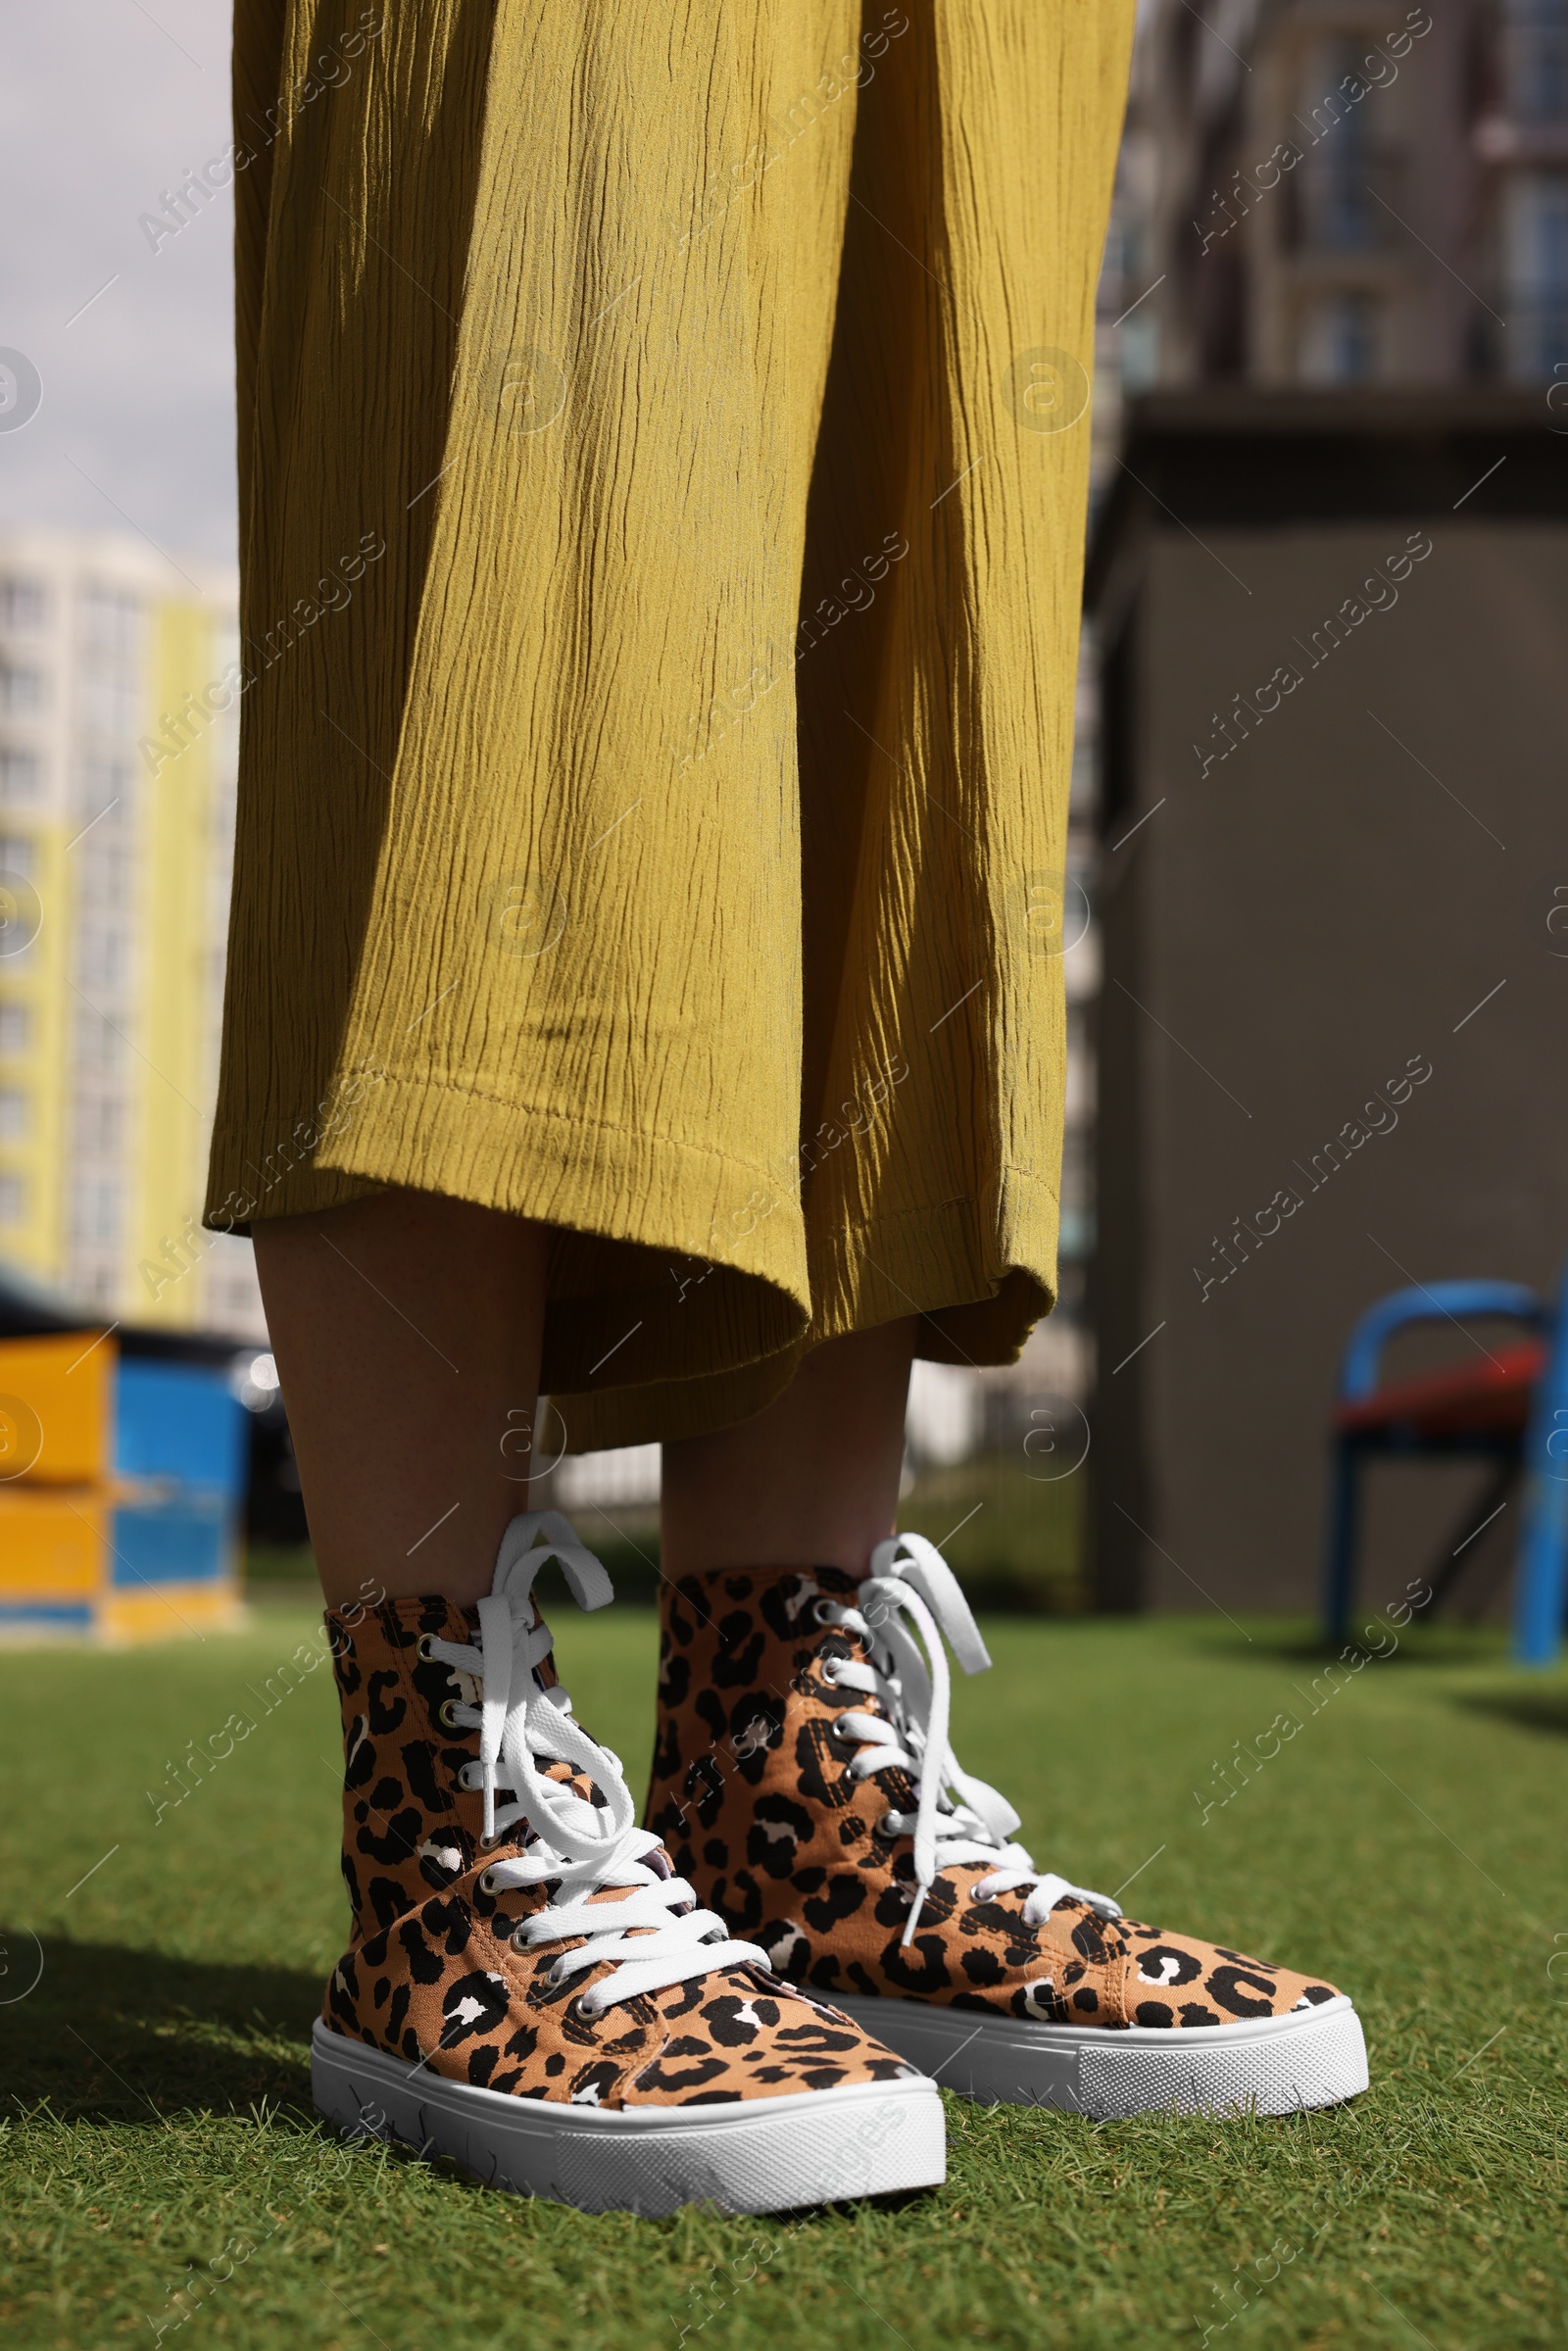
91,1553
168,1612
55,1408
66,1573
52,1542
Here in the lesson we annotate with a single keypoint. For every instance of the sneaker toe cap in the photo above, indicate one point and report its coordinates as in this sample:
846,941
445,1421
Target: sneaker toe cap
1174,1980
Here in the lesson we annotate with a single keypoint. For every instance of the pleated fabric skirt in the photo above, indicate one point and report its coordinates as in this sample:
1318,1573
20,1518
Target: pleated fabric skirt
664,446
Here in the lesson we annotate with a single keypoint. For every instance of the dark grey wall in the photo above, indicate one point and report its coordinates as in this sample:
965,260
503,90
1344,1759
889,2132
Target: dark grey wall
1299,922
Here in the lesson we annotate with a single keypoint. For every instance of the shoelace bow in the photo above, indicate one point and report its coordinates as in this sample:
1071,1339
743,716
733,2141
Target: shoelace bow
958,1817
657,1934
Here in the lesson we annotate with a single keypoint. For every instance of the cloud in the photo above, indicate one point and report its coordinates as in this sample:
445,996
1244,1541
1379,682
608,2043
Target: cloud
105,105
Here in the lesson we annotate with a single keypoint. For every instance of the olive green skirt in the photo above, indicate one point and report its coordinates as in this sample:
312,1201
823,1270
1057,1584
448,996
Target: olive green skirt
663,449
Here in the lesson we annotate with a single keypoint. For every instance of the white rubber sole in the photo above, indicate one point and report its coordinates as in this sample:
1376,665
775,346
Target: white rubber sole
1262,2065
869,2138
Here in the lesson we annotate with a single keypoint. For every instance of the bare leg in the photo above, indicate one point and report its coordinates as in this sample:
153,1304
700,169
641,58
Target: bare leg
811,1482
406,1328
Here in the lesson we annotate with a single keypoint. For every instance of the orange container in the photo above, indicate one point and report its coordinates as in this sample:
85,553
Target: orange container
55,1408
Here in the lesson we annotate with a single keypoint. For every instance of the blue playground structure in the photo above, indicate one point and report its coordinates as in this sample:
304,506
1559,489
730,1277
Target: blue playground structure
1513,1411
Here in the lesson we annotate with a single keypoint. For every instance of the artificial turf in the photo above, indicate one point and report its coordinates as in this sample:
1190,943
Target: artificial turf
160,2171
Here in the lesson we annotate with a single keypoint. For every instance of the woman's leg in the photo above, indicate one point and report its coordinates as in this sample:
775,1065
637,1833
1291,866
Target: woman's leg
407,1330
804,1784
811,1482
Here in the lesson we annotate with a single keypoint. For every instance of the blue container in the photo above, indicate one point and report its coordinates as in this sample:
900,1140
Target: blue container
186,1541
180,1422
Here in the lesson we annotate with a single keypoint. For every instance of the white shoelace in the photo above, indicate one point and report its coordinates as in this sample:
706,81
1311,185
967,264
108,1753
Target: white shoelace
658,1934
958,1817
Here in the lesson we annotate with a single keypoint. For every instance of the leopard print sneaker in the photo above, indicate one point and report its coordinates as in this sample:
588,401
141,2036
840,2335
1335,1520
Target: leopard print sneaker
803,1781
532,1990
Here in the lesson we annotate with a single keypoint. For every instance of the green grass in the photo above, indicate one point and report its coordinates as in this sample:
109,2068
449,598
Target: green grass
161,2161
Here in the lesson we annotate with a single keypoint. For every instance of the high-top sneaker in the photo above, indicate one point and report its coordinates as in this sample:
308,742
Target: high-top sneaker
532,1990
803,1779
411,1825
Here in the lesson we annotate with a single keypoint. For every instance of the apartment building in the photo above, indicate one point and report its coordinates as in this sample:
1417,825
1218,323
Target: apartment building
1347,191
117,732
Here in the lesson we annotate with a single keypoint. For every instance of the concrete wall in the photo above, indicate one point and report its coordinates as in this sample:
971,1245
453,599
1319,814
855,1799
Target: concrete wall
1335,1022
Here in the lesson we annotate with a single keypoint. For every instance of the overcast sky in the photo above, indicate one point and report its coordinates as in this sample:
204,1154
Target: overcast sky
103,105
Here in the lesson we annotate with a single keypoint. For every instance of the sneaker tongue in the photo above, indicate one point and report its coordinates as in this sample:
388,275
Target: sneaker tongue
549,1679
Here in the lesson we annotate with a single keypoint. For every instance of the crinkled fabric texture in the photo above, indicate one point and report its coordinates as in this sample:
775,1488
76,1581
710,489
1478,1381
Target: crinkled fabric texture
663,449
432,1974
755,1801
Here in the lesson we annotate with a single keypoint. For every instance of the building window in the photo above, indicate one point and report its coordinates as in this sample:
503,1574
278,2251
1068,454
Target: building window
1341,193
15,1114
111,619
103,783
104,874
21,691
23,606
1535,236
111,702
18,856
1535,60
105,959
16,1029
13,1200
96,1212
99,1125
21,776
1339,340
98,1044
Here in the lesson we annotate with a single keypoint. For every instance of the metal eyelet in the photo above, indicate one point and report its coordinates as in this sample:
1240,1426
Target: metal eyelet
421,1647
818,1608
488,1844
589,2016
487,1881
444,1714
827,1672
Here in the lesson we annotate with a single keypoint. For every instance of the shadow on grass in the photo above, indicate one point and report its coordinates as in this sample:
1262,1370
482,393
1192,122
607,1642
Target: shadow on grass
1536,1709
111,2035
1289,1643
